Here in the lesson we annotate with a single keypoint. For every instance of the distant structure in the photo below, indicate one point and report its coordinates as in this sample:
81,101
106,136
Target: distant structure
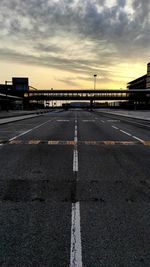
148,76
142,82
20,84
12,93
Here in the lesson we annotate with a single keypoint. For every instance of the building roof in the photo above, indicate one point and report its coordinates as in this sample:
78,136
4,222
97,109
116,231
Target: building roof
138,79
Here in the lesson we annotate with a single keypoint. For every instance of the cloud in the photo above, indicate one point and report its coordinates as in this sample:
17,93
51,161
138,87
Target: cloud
77,36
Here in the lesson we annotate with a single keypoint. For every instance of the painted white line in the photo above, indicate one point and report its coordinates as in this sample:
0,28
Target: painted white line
76,132
62,120
125,133
113,120
34,128
88,120
115,127
75,139
102,121
75,160
138,139
76,248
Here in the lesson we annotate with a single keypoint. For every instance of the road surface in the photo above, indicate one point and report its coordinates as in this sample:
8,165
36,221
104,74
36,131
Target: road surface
75,191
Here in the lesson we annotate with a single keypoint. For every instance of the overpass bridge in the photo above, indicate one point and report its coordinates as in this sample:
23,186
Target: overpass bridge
135,95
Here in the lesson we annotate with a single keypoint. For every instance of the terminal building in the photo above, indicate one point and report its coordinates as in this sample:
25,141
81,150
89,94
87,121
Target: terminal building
12,92
142,82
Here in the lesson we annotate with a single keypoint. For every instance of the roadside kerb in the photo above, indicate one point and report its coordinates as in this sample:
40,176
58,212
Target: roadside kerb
124,115
19,118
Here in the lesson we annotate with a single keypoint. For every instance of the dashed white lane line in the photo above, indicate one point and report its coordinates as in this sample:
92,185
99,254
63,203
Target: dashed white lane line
76,132
115,127
34,128
125,133
62,120
113,121
102,121
75,160
88,120
137,138
76,246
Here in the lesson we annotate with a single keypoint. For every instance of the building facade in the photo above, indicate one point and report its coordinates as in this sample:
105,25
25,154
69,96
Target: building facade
142,82
148,76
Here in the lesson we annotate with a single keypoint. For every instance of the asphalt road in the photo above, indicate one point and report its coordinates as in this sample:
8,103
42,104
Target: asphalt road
75,191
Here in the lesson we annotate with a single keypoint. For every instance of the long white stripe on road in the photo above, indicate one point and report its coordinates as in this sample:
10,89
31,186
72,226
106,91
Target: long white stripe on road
76,132
76,247
63,120
75,160
115,127
34,128
137,138
88,120
125,133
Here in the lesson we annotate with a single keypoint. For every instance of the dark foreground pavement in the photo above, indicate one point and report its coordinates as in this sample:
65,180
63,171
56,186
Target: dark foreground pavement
41,177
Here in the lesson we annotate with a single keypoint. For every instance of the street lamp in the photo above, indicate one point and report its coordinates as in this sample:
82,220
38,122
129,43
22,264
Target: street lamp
95,75
52,96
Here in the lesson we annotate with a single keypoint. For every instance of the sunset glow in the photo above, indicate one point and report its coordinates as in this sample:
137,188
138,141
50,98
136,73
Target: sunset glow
62,44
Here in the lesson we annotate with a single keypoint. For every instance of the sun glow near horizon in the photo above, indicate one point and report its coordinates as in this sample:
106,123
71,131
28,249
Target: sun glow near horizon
63,44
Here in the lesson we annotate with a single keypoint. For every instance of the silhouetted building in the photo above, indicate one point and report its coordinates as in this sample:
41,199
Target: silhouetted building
20,84
139,83
142,82
148,76
12,93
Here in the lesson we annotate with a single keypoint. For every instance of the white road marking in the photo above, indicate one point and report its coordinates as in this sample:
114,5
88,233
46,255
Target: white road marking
88,120
102,121
76,248
137,138
113,120
75,160
115,127
63,120
129,134
76,132
75,139
34,128
125,133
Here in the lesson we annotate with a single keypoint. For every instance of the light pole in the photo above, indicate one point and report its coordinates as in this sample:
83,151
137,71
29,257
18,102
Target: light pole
52,96
95,75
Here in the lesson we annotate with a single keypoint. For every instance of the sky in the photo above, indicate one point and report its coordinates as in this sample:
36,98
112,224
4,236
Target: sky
63,43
